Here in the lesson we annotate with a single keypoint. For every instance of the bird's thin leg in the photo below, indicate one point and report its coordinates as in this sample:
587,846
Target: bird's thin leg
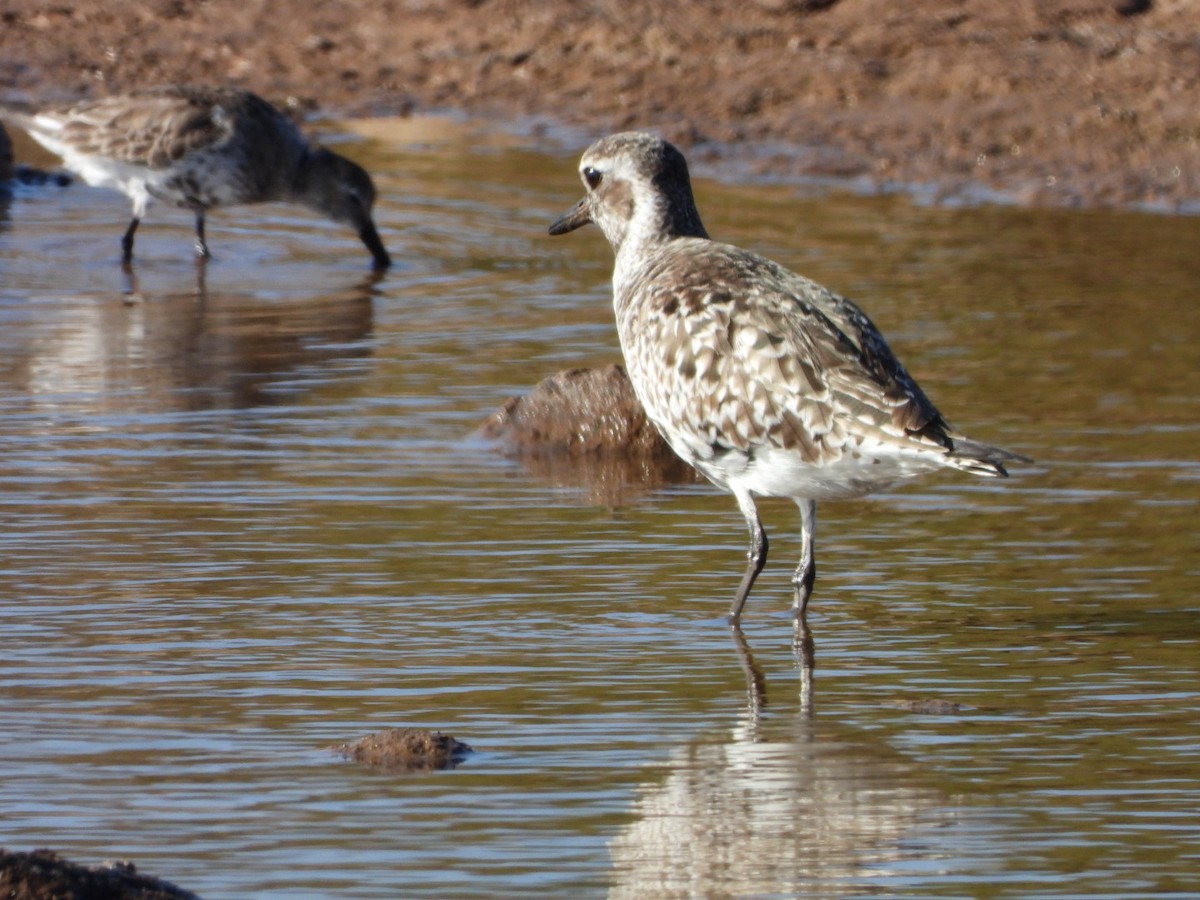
756,558
201,244
806,572
127,241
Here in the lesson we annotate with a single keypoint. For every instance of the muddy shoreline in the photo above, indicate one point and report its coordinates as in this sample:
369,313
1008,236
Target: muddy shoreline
1060,103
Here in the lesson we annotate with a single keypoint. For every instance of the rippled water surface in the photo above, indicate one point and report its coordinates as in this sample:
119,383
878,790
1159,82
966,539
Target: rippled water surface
245,519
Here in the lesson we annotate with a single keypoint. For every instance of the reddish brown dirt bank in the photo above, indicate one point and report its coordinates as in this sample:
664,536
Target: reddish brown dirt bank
1053,102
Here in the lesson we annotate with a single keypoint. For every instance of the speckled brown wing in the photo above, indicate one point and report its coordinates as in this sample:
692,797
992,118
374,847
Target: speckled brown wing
912,411
154,127
733,351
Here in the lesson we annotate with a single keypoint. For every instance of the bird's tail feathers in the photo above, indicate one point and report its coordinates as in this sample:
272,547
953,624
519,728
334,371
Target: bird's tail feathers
980,459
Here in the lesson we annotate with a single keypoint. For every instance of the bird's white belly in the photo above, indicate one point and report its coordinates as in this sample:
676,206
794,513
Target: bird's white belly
99,171
197,180
771,472
138,183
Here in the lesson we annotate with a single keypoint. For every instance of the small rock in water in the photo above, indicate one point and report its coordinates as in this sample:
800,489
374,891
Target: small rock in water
405,749
44,875
929,707
577,412
585,427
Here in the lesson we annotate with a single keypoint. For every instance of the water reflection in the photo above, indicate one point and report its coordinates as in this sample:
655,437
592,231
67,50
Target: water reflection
196,602
185,350
603,479
800,807
803,649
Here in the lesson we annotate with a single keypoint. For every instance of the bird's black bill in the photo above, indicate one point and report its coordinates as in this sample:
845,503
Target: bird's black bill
370,237
576,217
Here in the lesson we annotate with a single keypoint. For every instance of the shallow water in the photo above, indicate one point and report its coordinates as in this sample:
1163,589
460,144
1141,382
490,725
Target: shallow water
243,520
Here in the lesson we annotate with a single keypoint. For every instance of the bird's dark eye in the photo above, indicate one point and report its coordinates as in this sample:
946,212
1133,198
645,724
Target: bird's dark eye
593,177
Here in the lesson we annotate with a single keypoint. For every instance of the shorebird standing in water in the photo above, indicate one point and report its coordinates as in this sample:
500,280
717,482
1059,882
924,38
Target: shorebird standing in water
200,148
766,382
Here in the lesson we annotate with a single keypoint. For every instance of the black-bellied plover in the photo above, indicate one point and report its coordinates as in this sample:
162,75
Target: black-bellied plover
199,148
765,381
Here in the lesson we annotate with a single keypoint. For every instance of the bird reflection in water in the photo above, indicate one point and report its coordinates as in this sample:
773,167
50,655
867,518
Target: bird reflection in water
196,348
756,684
784,803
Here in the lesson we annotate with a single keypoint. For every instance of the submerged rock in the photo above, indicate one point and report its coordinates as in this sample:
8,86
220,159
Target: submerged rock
405,750
931,707
44,875
577,412
585,428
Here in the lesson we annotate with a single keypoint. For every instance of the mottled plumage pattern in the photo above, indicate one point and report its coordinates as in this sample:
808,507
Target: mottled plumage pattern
767,382
201,148
161,126
735,353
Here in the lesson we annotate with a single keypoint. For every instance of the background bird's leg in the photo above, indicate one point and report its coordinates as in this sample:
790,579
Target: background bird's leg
806,572
127,241
201,244
757,556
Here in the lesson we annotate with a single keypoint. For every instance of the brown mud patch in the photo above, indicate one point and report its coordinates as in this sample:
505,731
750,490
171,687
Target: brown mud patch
1060,102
